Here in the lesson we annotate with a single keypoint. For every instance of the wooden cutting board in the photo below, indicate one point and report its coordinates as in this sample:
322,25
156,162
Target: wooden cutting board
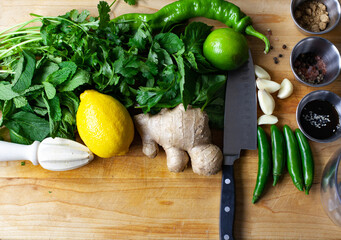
133,197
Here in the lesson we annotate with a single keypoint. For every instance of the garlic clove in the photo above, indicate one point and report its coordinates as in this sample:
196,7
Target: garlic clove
286,89
267,119
266,102
261,73
268,85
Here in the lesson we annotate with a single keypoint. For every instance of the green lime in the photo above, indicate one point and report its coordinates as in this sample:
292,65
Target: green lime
226,49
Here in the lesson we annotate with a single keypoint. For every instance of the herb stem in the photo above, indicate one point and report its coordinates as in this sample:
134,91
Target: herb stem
18,33
20,25
3,54
28,36
112,3
7,71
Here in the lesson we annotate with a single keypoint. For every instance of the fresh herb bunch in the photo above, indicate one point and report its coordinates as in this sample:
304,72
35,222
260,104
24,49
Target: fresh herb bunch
44,69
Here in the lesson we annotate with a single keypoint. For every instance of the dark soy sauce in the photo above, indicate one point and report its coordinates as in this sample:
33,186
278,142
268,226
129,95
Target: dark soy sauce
320,119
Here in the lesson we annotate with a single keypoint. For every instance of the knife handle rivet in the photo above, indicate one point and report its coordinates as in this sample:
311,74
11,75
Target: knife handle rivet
227,209
227,181
226,237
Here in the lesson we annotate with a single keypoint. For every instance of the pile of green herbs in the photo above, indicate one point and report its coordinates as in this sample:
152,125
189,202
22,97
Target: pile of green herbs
44,69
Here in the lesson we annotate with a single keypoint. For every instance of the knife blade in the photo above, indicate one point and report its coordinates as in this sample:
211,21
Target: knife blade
240,132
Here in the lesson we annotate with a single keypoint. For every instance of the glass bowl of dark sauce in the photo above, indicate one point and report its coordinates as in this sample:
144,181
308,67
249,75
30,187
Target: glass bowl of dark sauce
318,116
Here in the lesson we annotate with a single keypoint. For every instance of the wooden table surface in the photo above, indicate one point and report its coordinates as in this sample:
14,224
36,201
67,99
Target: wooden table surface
133,197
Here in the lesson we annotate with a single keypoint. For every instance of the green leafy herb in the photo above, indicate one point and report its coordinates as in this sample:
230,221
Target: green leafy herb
24,81
44,69
131,2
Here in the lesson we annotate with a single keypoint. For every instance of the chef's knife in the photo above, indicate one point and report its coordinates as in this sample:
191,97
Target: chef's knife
240,132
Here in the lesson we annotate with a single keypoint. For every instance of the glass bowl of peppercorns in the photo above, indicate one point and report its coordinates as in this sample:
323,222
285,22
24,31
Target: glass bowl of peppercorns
315,61
315,16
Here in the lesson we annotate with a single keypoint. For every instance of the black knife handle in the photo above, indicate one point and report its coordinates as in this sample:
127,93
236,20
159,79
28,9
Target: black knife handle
227,203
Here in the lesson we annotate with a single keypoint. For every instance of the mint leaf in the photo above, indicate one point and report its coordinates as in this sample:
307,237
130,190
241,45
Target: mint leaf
20,101
58,77
54,112
44,71
7,110
70,65
24,81
18,68
16,134
69,100
40,111
81,77
32,126
6,92
50,90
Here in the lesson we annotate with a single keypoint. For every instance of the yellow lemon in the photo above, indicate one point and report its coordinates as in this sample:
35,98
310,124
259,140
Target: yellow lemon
104,124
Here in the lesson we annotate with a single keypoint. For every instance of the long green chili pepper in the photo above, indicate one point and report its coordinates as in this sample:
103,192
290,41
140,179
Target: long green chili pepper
307,160
278,153
179,11
264,163
294,163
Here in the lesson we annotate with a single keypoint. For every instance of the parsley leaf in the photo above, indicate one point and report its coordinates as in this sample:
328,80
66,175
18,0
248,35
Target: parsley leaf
103,11
131,2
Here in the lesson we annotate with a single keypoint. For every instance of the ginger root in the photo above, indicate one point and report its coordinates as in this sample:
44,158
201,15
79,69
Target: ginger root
179,131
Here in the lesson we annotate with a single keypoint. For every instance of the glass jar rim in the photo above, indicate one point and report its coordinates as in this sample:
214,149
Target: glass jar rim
338,190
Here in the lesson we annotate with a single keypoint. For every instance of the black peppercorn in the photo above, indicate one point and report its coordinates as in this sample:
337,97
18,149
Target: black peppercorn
276,60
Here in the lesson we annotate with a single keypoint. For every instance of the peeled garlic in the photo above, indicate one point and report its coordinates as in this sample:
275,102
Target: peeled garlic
268,85
266,102
267,119
286,89
261,73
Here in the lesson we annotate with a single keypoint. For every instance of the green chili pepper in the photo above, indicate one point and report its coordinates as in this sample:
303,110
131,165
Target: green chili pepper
179,11
278,153
294,163
307,160
264,163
